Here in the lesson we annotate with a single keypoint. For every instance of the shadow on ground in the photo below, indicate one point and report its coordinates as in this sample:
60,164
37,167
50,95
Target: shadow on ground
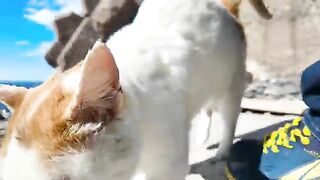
243,163
244,160
210,170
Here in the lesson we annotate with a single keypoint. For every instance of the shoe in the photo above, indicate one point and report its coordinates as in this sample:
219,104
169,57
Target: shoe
245,156
244,160
289,151
292,152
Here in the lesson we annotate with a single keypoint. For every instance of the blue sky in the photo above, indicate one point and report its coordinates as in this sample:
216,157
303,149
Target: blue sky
26,33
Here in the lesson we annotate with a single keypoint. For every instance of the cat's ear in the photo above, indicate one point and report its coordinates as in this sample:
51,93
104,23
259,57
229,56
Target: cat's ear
98,87
99,72
12,95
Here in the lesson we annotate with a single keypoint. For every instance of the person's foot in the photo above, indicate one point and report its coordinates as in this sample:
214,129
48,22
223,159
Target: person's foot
244,160
292,152
291,149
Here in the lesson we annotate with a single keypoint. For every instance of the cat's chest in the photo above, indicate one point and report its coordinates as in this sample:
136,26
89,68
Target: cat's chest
112,157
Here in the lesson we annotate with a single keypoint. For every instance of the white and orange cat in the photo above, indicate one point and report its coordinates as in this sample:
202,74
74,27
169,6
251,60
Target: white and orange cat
127,107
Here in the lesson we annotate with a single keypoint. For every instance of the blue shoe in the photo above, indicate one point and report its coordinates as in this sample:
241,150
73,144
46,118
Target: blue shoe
244,160
288,151
292,152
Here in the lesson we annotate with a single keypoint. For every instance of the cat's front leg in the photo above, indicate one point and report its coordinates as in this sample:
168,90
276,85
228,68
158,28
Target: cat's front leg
165,148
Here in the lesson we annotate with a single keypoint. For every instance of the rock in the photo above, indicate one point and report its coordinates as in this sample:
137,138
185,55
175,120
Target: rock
250,94
53,53
66,25
255,89
283,88
274,88
76,34
109,15
78,45
89,6
287,43
139,1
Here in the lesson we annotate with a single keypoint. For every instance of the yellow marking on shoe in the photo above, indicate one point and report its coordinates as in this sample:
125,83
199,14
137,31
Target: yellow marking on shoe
280,137
296,121
292,137
306,131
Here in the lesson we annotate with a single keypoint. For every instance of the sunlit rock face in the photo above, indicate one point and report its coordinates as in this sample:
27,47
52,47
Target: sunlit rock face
76,34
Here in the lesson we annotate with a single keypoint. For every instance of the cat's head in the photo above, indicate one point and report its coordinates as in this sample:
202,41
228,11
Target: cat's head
62,115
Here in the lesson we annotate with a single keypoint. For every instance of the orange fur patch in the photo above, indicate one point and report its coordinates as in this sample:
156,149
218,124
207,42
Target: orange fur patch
232,6
40,121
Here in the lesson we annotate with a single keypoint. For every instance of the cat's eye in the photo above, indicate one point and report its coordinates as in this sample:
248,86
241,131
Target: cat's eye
5,113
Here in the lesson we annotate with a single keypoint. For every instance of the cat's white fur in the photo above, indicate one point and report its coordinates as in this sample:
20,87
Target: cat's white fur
177,57
114,157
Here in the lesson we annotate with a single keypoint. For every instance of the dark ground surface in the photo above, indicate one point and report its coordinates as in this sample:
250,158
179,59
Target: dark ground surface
287,88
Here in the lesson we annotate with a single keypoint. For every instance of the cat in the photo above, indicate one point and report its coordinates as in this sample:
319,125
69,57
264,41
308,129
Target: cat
233,7
126,108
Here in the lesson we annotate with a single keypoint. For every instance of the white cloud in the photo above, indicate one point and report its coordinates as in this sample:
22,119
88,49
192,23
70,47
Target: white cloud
41,50
43,16
39,3
44,12
70,5
22,43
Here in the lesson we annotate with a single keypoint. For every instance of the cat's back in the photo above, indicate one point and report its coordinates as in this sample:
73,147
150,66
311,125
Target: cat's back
191,36
181,16
200,24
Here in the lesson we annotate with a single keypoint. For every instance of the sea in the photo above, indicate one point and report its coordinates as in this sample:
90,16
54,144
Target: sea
27,84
